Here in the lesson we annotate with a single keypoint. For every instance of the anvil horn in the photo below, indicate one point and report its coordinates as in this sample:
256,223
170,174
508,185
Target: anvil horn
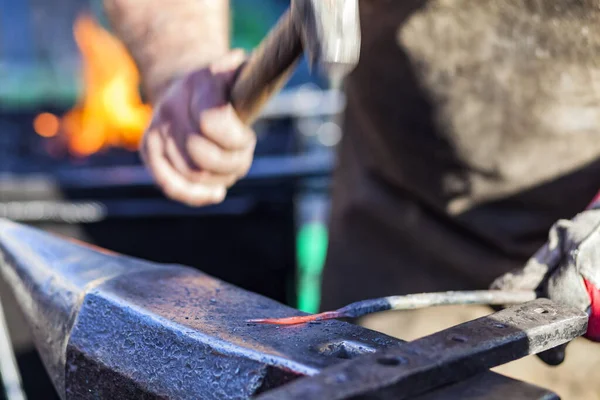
50,277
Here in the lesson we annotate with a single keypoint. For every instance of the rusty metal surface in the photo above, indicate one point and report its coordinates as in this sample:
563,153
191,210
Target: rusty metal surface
445,357
109,326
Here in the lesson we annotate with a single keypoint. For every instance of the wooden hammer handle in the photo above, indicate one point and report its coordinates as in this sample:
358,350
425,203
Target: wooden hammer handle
268,69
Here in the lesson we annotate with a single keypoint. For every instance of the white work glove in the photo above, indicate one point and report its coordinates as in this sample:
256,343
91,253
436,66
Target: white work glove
566,270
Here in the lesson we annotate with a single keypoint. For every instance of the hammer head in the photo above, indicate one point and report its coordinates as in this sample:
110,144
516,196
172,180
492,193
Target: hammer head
330,31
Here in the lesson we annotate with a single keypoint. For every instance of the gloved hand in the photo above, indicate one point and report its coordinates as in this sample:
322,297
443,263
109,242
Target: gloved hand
566,270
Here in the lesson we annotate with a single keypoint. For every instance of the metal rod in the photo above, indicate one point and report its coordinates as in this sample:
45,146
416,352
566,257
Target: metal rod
411,302
9,371
482,297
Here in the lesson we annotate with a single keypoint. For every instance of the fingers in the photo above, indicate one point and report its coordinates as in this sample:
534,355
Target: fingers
172,182
229,63
223,127
208,156
181,161
200,174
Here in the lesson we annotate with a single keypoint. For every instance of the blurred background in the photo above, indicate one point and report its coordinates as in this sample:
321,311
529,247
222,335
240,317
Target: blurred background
71,117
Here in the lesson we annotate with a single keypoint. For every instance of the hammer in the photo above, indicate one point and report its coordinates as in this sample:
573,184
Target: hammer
328,31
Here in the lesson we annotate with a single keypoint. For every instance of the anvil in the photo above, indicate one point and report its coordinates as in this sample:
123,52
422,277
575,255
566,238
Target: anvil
109,326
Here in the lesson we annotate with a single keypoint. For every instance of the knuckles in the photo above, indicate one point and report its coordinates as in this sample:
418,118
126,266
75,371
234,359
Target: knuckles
213,165
204,155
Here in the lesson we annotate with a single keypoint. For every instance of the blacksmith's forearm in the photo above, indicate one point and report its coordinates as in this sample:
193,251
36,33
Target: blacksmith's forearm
170,38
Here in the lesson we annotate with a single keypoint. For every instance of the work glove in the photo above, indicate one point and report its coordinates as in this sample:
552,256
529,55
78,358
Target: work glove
566,270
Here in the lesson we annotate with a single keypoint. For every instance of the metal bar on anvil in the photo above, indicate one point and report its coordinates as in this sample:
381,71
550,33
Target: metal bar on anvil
110,326
445,357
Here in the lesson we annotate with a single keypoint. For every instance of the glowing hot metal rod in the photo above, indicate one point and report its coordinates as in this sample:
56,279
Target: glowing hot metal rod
410,302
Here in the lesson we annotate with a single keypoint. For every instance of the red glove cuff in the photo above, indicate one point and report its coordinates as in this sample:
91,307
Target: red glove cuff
595,203
593,330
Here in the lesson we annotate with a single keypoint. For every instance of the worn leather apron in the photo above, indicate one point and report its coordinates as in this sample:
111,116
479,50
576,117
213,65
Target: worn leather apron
471,127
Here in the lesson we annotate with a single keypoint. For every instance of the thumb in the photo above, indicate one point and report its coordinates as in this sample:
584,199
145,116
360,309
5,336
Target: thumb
228,66
555,356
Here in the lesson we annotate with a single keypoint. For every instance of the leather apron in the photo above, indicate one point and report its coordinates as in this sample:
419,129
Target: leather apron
471,127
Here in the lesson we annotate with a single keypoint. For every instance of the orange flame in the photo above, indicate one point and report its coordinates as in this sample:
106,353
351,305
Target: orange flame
110,112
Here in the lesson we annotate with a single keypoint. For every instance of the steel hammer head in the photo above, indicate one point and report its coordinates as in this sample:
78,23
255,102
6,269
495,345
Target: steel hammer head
330,31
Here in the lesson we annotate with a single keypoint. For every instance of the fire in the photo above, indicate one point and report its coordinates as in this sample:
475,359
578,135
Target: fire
110,111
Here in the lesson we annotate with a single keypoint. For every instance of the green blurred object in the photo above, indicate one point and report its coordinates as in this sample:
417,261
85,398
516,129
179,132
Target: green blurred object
311,251
247,32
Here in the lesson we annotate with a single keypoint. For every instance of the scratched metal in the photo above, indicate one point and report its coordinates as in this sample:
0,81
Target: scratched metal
113,327
445,357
